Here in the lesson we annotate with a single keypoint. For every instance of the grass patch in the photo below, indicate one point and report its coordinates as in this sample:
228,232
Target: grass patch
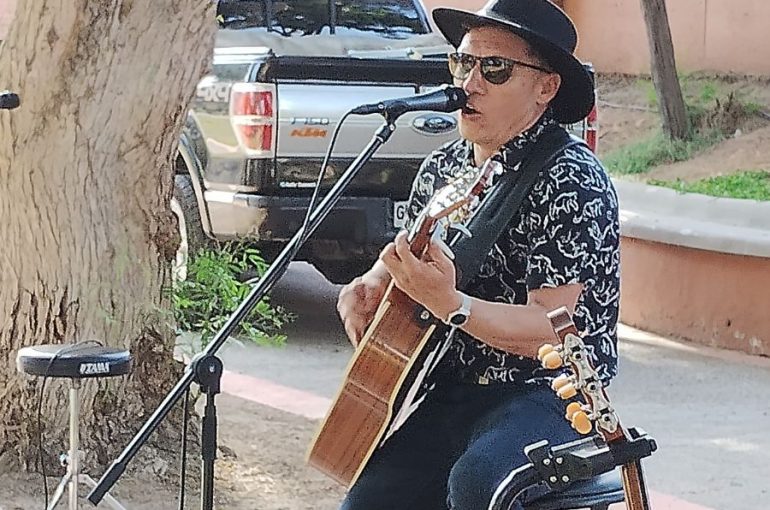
752,185
657,150
711,120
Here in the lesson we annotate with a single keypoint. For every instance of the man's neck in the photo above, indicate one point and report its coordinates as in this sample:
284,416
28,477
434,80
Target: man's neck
482,152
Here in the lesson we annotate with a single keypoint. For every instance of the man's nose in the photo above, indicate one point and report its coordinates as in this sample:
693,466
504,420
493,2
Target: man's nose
474,82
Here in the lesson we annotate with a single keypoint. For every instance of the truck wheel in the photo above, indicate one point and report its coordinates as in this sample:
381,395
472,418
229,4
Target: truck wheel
185,206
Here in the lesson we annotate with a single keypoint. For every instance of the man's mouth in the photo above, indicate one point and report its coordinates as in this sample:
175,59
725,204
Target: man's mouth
469,110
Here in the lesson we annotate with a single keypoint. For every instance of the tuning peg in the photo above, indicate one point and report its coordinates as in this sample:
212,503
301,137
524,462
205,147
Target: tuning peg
572,408
581,422
560,381
543,350
567,391
552,360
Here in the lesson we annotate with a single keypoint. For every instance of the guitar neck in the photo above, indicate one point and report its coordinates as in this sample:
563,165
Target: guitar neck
635,487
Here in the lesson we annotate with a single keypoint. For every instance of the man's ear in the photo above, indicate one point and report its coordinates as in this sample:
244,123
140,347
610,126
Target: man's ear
549,87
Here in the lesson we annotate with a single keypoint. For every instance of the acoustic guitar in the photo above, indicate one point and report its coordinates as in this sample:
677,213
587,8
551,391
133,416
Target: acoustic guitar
596,411
380,385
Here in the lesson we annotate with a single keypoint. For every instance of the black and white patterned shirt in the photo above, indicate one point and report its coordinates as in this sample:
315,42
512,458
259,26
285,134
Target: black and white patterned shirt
567,231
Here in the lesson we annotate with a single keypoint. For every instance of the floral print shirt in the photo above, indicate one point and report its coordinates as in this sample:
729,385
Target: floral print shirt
565,232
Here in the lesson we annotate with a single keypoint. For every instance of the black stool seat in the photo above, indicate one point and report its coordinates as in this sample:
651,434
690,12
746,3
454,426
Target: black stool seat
598,492
76,361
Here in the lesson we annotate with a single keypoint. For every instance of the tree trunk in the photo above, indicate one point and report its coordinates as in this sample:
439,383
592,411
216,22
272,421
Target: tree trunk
86,233
663,66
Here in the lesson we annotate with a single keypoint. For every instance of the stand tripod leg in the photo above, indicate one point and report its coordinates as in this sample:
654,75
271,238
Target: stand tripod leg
63,484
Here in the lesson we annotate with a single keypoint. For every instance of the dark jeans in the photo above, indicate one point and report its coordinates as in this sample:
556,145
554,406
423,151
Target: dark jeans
458,447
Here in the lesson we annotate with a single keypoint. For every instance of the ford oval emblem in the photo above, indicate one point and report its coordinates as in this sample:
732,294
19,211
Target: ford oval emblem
434,123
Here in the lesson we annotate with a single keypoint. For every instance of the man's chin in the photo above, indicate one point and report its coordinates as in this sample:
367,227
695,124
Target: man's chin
471,133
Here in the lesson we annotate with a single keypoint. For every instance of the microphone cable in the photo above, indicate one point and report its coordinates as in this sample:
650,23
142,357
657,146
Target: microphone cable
317,189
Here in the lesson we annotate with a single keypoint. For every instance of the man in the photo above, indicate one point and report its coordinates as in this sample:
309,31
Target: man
491,399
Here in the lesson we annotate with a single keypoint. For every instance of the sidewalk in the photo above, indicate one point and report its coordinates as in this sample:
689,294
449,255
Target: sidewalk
707,409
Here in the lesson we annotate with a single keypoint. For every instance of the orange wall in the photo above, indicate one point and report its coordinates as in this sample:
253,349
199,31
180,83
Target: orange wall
709,35
711,298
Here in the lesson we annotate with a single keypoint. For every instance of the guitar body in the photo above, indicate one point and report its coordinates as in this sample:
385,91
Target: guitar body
365,404
380,377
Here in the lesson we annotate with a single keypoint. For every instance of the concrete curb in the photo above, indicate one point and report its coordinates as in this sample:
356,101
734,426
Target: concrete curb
653,213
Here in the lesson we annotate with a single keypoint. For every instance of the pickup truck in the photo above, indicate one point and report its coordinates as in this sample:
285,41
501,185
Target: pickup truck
259,125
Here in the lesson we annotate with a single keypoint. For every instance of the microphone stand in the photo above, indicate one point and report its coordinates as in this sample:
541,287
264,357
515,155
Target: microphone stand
206,369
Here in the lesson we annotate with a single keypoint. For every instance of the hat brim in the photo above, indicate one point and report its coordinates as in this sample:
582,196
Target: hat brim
575,98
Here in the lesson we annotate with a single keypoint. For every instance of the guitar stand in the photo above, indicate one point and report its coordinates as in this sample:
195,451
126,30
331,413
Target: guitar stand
561,466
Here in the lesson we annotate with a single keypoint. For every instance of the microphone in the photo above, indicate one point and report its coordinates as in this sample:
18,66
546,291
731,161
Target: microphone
9,100
447,99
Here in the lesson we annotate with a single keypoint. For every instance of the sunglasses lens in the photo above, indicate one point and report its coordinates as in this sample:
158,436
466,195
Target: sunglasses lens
460,66
495,70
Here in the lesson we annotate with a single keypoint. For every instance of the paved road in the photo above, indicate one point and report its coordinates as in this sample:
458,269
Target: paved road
709,410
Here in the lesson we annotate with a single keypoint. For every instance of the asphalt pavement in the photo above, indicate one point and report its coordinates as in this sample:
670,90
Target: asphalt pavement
709,410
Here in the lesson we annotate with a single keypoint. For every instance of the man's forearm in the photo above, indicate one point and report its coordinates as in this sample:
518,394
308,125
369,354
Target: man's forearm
519,329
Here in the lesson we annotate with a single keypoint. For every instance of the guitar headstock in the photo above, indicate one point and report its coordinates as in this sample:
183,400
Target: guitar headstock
451,204
596,409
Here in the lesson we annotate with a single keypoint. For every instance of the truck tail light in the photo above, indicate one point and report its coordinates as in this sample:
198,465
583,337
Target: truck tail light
592,129
253,117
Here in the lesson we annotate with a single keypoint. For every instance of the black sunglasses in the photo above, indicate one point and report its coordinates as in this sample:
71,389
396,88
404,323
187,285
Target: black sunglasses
496,70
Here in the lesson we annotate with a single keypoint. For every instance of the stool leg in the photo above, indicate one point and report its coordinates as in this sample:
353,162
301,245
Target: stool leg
74,460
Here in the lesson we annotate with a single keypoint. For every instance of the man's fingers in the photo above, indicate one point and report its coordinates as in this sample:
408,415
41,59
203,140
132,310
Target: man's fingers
437,255
402,249
352,336
390,259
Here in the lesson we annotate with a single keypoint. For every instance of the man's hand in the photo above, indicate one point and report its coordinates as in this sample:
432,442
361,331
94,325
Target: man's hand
430,281
359,299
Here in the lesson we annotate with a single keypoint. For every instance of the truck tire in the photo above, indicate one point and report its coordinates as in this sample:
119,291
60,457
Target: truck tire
184,205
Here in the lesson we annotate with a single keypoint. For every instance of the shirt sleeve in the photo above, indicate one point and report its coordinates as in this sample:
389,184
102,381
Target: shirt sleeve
572,226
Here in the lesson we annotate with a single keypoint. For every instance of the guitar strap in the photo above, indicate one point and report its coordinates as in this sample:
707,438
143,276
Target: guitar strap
498,209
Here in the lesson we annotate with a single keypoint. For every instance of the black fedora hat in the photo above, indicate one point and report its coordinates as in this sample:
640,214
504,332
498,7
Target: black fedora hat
548,30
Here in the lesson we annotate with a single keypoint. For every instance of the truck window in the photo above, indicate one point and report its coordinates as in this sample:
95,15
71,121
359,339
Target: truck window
393,19
300,17
238,14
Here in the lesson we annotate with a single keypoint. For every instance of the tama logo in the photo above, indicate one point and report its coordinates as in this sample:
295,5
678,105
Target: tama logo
94,368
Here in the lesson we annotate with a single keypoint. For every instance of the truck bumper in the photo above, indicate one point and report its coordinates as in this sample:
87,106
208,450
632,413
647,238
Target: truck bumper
357,220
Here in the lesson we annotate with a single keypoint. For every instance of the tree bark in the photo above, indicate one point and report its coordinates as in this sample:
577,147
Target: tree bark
86,233
663,64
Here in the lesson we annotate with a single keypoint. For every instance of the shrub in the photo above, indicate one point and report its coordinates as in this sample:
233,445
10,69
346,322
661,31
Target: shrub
214,289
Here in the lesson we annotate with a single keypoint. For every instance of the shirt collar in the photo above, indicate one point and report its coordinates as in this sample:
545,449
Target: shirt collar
514,150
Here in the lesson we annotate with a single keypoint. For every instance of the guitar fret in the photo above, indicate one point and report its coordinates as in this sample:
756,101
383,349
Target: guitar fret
389,352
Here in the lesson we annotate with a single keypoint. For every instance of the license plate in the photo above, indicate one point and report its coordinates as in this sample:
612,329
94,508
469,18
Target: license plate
399,214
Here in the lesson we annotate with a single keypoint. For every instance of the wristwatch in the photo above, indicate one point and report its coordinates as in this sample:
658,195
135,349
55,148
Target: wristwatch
459,317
